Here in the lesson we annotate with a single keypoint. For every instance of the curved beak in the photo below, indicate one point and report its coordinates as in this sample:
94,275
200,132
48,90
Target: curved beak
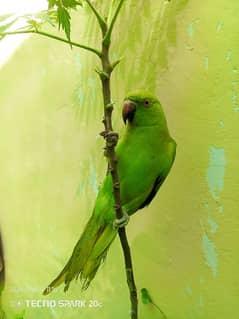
129,109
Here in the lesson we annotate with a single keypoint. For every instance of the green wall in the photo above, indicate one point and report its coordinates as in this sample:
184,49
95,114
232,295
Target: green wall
185,245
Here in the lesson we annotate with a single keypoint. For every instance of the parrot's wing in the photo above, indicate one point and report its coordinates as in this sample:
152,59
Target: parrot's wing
162,175
157,184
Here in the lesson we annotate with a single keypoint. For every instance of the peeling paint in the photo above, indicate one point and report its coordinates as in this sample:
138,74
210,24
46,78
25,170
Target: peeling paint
220,209
219,26
229,56
210,254
206,63
191,30
216,171
213,224
234,97
80,188
235,70
221,123
236,108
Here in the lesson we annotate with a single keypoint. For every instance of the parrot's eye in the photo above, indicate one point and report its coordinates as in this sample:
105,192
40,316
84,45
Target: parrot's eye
147,103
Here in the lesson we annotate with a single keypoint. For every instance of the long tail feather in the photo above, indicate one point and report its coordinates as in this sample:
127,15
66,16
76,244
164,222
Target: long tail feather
88,254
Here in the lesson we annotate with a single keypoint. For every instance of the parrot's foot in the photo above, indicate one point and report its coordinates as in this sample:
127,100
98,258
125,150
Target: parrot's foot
121,222
111,138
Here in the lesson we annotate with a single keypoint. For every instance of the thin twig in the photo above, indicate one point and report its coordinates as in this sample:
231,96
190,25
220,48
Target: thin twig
52,36
159,309
115,63
110,29
100,20
129,273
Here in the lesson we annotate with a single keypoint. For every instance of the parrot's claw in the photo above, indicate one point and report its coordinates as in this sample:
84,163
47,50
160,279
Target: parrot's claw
111,138
121,222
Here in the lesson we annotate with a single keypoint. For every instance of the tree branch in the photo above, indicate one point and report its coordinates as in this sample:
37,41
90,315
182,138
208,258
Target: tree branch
129,273
100,20
111,138
107,37
52,36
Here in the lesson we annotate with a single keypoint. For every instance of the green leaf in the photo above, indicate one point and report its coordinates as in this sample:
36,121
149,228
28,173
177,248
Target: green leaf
65,3
34,23
52,3
147,299
71,3
20,315
145,296
50,16
41,18
64,21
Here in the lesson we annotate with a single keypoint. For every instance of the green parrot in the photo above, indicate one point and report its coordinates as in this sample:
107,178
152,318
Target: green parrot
145,154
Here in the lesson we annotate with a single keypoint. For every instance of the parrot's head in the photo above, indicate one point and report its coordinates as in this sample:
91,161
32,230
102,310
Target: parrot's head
141,108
